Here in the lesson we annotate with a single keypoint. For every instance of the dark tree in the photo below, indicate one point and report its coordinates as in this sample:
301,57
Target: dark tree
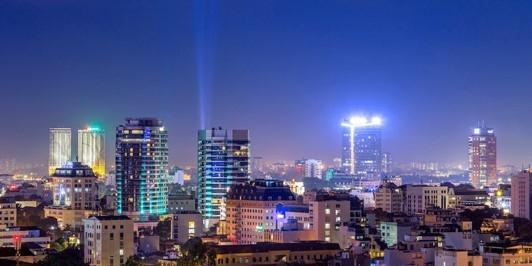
68,257
163,230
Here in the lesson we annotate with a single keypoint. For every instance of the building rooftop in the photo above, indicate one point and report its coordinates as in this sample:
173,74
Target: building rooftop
110,217
73,169
268,246
296,208
261,189
143,122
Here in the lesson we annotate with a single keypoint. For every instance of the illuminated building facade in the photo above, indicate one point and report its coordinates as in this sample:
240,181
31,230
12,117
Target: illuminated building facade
141,167
223,160
108,240
91,149
75,194
255,208
362,147
483,157
60,150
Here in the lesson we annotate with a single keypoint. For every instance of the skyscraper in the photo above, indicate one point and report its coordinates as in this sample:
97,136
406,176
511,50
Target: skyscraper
91,149
386,162
223,160
60,148
141,167
362,147
522,194
483,157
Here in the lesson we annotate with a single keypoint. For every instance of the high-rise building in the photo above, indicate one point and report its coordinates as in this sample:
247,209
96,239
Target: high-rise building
108,240
223,160
91,149
309,168
521,203
141,167
362,147
386,163
75,194
483,157
60,150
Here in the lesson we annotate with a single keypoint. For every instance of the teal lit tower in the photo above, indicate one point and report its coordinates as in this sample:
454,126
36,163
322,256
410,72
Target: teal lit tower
223,160
142,167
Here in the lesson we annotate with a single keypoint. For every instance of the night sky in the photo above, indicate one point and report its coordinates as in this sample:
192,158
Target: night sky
290,71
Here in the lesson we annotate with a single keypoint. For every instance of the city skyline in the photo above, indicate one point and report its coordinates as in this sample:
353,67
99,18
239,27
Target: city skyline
432,77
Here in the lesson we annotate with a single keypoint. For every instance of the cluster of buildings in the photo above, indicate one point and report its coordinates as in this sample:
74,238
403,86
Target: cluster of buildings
355,212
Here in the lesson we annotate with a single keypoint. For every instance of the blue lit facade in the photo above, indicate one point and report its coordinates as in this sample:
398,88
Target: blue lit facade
223,160
142,167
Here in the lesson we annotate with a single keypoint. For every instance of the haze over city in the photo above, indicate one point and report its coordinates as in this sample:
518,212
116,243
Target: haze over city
289,72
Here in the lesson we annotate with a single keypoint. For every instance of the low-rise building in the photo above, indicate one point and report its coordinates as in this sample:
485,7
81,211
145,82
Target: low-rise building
75,195
389,198
448,257
499,254
329,211
308,253
254,208
420,197
394,232
28,234
108,240
8,212
180,200
186,225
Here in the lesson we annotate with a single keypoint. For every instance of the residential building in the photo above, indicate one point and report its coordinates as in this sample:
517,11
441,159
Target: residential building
28,234
8,212
449,257
307,253
180,199
393,232
521,203
389,198
254,208
329,211
75,194
108,240
419,197
186,225
506,253
309,168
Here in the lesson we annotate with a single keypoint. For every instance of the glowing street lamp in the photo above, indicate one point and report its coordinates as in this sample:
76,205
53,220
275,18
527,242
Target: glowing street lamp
358,122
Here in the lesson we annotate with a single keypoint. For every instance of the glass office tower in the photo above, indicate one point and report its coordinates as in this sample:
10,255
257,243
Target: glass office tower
142,167
223,160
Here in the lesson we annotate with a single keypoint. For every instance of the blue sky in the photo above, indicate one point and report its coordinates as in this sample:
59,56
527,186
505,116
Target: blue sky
287,70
